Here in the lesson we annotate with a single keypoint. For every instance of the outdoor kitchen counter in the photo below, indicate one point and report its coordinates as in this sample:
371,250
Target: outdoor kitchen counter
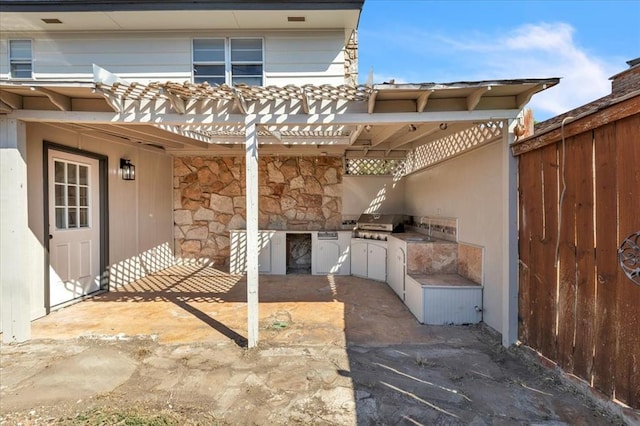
418,238
428,255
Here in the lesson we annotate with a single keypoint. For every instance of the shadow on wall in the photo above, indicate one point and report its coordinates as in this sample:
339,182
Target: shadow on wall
141,265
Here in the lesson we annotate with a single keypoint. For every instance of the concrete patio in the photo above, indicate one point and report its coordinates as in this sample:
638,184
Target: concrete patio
333,350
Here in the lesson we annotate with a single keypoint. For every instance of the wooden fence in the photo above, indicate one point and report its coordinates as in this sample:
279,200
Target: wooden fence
582,311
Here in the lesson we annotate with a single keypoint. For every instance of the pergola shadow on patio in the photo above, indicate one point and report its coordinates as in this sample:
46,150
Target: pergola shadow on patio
333,350
198,303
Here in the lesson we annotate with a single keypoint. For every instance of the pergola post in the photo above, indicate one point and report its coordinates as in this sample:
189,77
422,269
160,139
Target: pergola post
15,286
252,248
509,237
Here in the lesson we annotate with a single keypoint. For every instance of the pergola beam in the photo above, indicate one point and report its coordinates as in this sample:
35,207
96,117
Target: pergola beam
474,99
384,134
13,100
177,102
422,131
356,134
371,103
421,102
305,100
61,101
523,98
145,117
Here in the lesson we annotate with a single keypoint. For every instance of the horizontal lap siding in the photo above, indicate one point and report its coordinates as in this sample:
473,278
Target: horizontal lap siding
132,57
596,334
290,57
306,59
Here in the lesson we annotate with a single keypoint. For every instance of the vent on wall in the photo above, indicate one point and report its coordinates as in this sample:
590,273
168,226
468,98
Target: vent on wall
296,19
51,21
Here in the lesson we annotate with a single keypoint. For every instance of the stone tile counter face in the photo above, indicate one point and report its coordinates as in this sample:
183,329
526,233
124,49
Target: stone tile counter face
295,193
432,258
470,260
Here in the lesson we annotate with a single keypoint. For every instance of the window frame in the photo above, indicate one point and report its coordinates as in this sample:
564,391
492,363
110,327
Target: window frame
228,63
13,61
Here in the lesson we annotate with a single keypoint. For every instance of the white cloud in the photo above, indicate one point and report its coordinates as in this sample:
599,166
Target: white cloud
529,51
549,50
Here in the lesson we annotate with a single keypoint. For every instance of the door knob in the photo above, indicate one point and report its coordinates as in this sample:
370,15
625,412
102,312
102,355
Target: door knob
50,236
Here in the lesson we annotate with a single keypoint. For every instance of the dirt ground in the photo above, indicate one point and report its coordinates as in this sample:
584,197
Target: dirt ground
343,351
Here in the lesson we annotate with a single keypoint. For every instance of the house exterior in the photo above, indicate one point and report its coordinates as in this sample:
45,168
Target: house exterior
237,116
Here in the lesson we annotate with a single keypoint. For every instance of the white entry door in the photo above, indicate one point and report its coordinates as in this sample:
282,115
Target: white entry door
74,227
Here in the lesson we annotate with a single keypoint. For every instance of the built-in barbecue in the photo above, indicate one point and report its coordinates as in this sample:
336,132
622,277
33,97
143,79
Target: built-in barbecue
378,226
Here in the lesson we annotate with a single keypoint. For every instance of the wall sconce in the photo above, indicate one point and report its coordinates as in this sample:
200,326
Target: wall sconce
128,170
412,128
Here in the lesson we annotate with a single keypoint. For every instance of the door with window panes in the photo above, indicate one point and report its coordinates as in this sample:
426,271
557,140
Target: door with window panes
74,227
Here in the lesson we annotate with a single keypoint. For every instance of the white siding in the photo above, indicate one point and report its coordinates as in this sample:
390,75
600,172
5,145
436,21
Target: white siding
140,211
290,57
469,188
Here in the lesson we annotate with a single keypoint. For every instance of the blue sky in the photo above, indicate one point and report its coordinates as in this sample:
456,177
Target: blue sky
583,42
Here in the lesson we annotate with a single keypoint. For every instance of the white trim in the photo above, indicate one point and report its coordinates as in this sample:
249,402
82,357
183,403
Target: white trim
15,274
509,238
253,243
263,119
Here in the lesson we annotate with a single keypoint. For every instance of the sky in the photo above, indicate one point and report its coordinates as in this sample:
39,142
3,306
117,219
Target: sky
582,42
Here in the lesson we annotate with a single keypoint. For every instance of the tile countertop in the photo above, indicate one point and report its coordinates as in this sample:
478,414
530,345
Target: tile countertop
418,238
443,280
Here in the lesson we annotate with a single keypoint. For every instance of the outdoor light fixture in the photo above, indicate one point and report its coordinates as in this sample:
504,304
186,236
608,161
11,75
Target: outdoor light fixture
412,128
443,126
128,169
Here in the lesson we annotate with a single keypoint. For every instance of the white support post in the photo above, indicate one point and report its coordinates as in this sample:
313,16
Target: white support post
15,288
510,238
252,229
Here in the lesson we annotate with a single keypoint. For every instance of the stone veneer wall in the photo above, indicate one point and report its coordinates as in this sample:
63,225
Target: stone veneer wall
351,60
295,193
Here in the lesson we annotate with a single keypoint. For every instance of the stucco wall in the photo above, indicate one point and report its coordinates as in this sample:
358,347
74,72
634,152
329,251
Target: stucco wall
372,194
140,213
209,199
469,188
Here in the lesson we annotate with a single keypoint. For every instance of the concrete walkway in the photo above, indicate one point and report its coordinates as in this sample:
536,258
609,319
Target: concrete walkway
333,350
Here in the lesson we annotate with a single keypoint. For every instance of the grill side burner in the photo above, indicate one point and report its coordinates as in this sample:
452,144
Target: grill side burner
378,226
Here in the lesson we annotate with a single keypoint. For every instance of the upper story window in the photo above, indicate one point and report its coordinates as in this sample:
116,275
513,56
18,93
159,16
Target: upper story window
231,61
20,59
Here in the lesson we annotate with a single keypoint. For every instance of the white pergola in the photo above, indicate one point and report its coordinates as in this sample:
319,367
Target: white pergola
422,123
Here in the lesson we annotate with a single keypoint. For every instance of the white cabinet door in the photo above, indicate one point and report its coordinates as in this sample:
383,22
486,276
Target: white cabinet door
395,269
264,257
359,258
377,263
328,257
278,253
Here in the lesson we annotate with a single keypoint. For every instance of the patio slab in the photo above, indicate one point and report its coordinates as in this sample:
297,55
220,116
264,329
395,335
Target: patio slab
333,350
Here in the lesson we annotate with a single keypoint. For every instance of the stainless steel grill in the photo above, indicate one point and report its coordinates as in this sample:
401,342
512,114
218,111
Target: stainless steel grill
378,226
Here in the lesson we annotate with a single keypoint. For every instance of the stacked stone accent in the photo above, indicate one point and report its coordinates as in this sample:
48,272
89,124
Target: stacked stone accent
295,193
351,60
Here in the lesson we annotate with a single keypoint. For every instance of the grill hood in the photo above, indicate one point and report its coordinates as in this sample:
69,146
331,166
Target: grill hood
381,222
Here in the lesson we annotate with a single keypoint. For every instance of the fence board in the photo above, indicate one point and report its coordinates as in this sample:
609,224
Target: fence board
627,387
526,167
549,238
606,263
536,284
597,307
582,178
567,285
